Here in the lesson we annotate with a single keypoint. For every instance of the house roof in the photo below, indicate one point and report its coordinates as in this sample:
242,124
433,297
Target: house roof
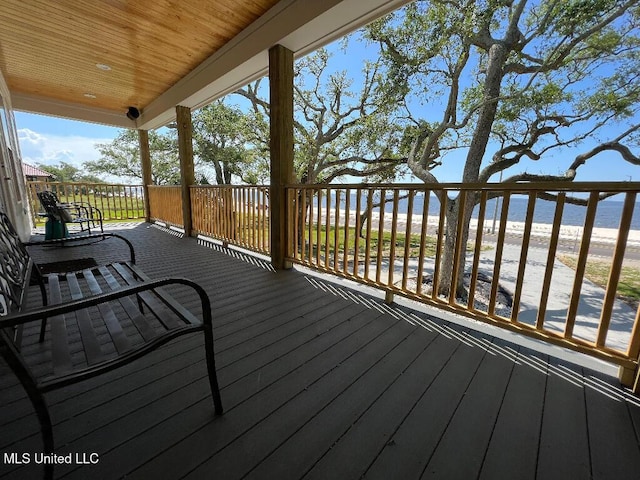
31,171
91,60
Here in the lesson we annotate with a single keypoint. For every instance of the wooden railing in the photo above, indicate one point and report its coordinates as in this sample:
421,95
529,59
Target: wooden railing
394,237
165,204
237,215
115,201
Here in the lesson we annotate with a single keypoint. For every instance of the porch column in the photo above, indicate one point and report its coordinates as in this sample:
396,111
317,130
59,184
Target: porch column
281,149
145,163
187,175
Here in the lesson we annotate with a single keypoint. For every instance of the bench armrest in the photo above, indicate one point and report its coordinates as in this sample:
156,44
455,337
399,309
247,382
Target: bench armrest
72,306
63,241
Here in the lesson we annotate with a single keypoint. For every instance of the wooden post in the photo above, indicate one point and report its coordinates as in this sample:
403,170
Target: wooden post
187,175
145,162
281,149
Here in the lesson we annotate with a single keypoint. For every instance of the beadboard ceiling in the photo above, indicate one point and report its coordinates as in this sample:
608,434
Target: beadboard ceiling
92,59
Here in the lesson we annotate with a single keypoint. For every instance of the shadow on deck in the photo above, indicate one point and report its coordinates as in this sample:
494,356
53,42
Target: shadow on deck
324,382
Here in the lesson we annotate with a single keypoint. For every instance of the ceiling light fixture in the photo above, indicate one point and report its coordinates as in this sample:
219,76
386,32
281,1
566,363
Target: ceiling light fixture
103,66
90,95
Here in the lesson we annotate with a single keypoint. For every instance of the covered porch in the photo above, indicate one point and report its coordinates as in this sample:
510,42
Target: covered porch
320,377
324,380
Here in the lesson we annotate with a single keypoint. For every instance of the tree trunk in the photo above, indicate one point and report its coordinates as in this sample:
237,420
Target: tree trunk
498,53
445,280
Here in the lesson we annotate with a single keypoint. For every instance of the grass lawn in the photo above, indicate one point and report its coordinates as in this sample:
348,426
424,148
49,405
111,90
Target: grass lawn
386,240
597,271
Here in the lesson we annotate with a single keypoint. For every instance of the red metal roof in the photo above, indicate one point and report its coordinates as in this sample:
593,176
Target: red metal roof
31,171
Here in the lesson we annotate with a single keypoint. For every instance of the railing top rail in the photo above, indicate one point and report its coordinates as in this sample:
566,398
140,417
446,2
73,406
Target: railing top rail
228,186
103,184
560,186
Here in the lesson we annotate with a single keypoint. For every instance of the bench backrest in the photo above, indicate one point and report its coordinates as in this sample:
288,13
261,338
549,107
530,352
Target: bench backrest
15,268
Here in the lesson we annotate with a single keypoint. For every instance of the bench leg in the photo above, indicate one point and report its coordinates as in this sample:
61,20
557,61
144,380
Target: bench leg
43,293
211,368
140,304
43,327
47,432
37,400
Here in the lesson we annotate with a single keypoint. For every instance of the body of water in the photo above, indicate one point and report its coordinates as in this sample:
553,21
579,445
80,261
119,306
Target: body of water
607,214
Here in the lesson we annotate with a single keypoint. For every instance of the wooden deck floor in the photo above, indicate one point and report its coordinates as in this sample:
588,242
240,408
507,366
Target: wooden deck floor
322,382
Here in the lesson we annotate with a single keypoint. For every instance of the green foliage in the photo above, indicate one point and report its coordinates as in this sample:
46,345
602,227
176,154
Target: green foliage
343,123
65,172
571,17
121,157
567,70
222,136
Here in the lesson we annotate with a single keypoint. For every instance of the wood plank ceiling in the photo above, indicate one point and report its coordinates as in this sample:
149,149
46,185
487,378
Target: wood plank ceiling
111,54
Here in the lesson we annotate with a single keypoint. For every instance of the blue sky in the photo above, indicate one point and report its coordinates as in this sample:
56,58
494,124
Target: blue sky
50,140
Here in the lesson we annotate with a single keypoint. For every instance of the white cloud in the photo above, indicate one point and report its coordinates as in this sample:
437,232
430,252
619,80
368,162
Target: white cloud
52,149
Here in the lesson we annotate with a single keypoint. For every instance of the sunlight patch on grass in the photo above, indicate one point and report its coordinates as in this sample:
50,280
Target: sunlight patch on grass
597,271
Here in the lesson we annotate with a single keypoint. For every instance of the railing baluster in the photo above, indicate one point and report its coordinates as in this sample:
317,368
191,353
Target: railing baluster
311,211
294,219
367,251
407,239
231,211
113,201
616,267
240,218
473,280
336,231
524,249
423,240
248,225
103,193
327,226
383,195
302,232
459,250
581,264
495,280
394,236
216,213
435,284
634,342
239,215
319,228
551,257
126,204
347,221
356,239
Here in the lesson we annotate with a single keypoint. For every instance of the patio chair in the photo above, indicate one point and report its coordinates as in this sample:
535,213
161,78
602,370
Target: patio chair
60,214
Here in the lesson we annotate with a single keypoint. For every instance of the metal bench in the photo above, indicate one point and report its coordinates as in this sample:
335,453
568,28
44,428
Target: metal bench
118,313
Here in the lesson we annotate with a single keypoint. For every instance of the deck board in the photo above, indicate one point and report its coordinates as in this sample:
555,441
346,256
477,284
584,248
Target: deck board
615,455
564,443
330,423
406,454
352,454
469,430
517,428
320,381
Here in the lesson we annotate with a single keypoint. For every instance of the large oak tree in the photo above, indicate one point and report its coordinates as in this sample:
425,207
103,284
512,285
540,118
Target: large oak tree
504,81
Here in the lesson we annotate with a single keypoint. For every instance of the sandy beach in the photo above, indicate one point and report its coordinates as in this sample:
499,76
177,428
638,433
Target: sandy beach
542,230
